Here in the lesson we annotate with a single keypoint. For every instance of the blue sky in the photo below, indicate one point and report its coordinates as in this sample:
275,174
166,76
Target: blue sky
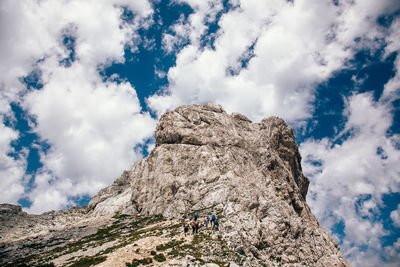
83,83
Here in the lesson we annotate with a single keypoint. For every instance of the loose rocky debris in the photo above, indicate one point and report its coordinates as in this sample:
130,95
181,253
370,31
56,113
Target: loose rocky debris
126,240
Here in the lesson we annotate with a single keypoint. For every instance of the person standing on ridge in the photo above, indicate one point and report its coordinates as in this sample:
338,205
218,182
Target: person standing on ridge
208,220
194,226
195,216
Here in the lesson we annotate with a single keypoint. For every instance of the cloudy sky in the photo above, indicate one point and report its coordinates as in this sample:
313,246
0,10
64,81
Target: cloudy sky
82,84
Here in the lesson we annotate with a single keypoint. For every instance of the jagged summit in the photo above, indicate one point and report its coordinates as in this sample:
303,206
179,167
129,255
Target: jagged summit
205,158
202,153
249,174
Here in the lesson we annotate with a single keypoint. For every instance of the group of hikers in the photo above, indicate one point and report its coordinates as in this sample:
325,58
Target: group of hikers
197,224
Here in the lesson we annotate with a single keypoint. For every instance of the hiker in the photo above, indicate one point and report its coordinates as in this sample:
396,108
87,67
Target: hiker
195,217
194,226
208,220
205,222
148,213
186,228
197,227
213,218
216,224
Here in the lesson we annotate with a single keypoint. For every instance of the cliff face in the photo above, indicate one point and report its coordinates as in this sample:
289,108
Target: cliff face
249,174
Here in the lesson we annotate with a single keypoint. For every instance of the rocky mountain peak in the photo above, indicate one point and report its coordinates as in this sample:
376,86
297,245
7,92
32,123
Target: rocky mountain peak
210,125
248,174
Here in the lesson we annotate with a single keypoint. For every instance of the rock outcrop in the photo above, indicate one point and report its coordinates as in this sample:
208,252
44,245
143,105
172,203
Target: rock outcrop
248,174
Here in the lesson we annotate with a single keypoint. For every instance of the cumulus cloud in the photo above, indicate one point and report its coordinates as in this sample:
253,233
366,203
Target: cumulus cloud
31,31
391,90
395,216
91,125
11,170
191,29
351,173
293,47
178,37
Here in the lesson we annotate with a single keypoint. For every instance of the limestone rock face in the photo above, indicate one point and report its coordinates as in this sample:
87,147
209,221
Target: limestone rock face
249,174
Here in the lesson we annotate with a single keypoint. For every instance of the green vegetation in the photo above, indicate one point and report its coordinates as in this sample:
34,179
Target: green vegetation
137,262
171,244
204,248
34,246
219,262
160,257
46,265
188,246
119,216
176,252
124,229
88,261
207,246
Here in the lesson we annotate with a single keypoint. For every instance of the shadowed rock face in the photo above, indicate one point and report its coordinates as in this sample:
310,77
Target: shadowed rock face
248,173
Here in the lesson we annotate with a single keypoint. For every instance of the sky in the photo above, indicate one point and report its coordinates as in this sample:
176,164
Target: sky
83,83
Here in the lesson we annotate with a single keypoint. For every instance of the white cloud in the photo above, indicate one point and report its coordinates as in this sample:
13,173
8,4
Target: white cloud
349,179
391,90
181,32
48,195
192,29
204,12
92,125
395,216
31,31
11,170
296,46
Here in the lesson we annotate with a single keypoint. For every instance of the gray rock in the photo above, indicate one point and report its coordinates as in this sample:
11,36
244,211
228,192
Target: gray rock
209,162
248,173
